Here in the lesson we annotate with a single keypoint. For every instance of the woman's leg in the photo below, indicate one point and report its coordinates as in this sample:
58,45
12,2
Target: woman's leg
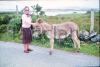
26,48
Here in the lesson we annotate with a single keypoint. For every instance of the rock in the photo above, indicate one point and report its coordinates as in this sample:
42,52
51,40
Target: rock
35,35
84,35
92,35
96,38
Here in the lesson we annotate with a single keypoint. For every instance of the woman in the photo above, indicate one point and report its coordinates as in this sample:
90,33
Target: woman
26,29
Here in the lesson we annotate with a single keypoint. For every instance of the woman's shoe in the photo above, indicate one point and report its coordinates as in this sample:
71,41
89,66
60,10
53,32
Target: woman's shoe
26,51
29,50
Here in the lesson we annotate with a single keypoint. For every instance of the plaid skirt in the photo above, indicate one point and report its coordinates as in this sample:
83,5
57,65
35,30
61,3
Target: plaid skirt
26,35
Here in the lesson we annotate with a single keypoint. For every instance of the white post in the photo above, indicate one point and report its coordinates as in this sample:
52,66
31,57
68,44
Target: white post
92,21
16,9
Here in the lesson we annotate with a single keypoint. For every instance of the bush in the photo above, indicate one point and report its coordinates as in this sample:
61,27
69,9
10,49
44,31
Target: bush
4,19
15,24
34,18
3,28
67,42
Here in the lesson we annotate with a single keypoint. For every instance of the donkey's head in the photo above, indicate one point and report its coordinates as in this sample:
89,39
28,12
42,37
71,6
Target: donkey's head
40,27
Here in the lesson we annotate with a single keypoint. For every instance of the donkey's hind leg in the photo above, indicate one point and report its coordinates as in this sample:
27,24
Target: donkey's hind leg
76,40
74,43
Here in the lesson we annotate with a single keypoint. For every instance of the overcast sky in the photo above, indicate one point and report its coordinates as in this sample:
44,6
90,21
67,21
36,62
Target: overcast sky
50,4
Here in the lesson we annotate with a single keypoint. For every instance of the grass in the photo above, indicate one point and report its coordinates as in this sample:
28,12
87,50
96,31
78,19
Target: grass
88,48
9,37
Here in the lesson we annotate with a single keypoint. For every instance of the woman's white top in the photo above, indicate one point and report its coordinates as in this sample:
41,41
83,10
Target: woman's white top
26,21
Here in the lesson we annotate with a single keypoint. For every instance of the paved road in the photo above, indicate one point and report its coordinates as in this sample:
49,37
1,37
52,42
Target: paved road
12,55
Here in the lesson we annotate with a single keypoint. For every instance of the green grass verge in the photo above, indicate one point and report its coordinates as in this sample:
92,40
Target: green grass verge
90,48
86,47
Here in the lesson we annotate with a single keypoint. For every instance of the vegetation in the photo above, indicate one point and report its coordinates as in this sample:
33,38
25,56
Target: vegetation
38,10
10,26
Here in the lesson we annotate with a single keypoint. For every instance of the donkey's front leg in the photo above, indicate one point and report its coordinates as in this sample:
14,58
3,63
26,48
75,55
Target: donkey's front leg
51,42
51,46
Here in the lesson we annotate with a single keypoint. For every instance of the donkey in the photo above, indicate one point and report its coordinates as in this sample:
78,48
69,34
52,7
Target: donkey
58,30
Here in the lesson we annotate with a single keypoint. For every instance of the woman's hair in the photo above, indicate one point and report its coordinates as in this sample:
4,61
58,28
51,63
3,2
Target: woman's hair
25,8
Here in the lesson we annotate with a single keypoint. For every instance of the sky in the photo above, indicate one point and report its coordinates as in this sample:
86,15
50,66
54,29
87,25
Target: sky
6,5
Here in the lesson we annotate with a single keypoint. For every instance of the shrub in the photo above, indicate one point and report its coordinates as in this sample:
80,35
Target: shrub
67,42
3,28
4,19
15,24
34,18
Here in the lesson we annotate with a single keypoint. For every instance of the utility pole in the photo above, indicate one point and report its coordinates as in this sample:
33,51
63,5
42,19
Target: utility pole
16,9
92,22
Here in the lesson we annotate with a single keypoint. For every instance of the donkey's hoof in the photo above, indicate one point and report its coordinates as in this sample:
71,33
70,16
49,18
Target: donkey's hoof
50,52
78,51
